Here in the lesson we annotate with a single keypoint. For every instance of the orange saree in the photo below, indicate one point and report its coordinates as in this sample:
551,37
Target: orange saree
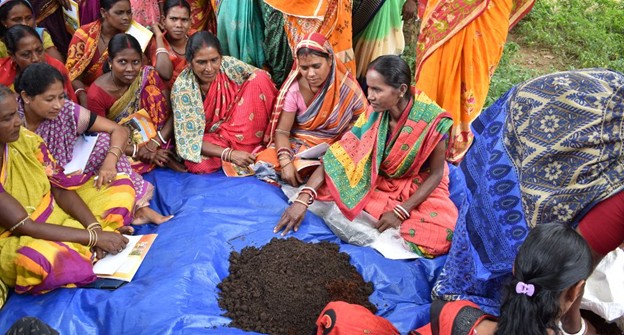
331,18
83,58
458,50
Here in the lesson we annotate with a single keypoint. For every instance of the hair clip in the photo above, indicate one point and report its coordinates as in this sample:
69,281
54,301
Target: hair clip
526,289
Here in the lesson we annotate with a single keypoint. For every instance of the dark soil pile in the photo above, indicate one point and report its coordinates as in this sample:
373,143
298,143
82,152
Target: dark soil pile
283,287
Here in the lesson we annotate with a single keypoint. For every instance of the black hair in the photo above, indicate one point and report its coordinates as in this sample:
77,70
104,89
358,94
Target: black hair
175,3
15,34
200,40
108,4
5,92
6,8
394,71
36,79
118,43
307,52
553,258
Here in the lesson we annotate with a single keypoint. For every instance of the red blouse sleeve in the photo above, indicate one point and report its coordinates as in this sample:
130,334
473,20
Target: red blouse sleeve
99,101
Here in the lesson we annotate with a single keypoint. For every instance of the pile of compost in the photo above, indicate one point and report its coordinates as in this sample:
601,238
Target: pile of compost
282,287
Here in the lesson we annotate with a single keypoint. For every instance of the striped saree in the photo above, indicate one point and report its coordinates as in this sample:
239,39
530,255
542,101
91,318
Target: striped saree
373,170
38,266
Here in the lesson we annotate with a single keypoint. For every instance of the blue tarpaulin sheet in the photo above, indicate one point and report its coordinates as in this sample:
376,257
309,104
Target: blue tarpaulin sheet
175,290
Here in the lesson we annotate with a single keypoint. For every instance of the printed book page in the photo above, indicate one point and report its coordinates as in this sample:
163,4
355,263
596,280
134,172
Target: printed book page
125,264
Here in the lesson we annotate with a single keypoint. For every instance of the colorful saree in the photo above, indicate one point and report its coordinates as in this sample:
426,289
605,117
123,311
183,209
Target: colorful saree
547,151
458,49
242,31
83,58
331,18
381,34
235,112
333,110
38,266
61,135
203,16
372,170
146,92
8,72
145,12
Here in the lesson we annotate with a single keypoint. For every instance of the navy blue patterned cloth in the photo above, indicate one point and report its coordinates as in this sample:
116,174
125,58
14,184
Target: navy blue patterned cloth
547,151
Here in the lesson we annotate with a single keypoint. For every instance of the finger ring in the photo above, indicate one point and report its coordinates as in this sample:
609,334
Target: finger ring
120,250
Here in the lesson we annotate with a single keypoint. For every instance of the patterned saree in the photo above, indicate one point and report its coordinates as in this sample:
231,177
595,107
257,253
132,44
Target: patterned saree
81,56
370,169
547,151
334,109
146,92
331,18
61,135
234,113
38,266
458,50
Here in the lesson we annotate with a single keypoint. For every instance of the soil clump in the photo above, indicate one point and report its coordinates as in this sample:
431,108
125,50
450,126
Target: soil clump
282,287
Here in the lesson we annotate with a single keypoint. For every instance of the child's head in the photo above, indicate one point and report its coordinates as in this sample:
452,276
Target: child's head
549,275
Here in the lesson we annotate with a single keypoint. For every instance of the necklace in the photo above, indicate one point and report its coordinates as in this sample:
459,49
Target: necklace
176,51
114,82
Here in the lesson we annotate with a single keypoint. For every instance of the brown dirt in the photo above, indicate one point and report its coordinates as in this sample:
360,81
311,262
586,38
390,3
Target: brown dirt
539,59
283,287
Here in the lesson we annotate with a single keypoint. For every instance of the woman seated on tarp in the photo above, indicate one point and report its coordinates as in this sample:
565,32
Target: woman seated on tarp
221,107
550,273
132,94
14,12
47,232
549,150
319,101
25,48
62,122
390,165
88,49
166,49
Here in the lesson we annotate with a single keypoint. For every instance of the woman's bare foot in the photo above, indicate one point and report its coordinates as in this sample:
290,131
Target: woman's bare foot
126,230
145,215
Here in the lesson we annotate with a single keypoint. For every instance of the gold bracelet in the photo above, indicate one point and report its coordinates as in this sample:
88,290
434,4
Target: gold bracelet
114,153
115,147
22,222
301,202
94,225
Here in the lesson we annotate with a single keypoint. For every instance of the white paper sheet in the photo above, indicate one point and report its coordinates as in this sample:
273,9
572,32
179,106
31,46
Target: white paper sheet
80,156
142,34
313,153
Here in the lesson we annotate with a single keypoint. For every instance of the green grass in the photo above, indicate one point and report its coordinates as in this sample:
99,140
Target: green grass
581,34
586,33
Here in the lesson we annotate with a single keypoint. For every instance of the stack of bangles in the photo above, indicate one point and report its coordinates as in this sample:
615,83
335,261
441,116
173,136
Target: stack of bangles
226,154
161,51
401,213
284,154
118,155
93,238
312,195
152,140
